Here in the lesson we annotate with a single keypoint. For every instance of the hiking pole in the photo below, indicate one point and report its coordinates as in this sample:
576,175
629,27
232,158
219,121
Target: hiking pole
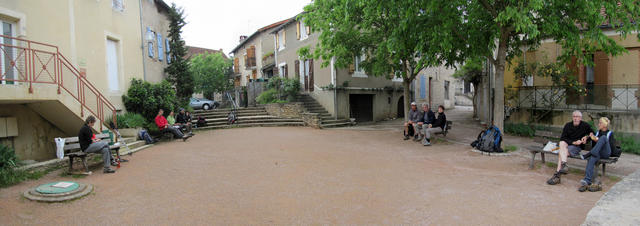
120,139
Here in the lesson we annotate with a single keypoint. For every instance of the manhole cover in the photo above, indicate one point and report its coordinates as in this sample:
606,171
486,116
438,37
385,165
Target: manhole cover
57,187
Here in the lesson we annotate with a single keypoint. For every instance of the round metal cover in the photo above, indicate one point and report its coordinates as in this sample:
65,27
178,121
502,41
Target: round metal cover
57,187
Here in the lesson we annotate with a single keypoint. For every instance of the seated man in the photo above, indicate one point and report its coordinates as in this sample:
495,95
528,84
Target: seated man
183,120
426,118
414,117
163,125
90,144
437,126
574,137
603,144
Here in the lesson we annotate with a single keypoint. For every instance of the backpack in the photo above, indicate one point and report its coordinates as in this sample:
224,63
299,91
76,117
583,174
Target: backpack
489,140
411,132
144,135
231,118
201,121
616,152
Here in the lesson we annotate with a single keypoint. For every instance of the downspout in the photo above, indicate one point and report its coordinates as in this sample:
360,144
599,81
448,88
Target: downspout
335,90
144,65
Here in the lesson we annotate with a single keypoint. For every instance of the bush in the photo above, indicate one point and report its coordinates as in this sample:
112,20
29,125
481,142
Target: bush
131,120
285,89
267,97
519,129
628,144
8,161
145,98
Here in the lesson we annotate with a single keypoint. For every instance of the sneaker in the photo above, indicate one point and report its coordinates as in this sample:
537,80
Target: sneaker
124,160
114,163
426,143
584,185
555,179
108,170
594,187
185,138
564,169
406,137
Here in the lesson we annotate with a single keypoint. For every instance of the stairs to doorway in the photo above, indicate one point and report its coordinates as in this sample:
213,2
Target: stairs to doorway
326,120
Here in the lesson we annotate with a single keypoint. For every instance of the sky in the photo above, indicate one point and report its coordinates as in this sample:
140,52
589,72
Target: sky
218,24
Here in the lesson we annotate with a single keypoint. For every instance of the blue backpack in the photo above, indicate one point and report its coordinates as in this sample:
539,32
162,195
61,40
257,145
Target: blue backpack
489,140
144,135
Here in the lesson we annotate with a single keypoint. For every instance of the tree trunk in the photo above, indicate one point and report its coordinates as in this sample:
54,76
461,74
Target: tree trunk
475,100
407,98
498,98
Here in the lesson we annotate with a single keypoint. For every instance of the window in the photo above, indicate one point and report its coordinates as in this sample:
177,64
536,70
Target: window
166,41
117,5
160,51
280,39
446,90
302,31
358,69
282,69
112,65
8,54
150,48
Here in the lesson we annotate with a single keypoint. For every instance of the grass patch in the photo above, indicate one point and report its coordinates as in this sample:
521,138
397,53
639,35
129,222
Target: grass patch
440,141
510,148
519,129
614,178
551,164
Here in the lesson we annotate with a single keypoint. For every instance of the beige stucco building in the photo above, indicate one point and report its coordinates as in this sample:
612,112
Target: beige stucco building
155,33
64,60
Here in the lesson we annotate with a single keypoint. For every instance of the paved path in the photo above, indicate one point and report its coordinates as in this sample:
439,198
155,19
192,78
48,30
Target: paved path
307,176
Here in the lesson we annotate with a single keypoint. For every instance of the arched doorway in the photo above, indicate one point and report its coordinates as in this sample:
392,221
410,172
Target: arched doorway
400,113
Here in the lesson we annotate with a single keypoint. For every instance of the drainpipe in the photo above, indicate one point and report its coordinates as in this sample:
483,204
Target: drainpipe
335,90
144,65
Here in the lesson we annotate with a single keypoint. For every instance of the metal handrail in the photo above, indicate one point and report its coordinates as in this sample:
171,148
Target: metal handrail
30,53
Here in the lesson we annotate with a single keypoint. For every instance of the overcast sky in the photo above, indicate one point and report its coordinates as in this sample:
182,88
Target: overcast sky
218,24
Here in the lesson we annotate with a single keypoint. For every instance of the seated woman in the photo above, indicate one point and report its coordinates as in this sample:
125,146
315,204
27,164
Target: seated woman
603,143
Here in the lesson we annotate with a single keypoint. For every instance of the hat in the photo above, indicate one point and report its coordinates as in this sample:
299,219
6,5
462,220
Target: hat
181,109
413,103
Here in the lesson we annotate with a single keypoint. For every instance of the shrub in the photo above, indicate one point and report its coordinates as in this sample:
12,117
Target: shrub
131,120
286,89
628,144
145,98
519,129
267,97
8,161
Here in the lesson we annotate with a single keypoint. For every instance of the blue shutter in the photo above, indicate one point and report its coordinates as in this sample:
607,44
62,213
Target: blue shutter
168,50
423,87
149,44
160,51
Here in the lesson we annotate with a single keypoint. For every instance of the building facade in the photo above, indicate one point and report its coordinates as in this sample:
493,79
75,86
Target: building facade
155,39
62,61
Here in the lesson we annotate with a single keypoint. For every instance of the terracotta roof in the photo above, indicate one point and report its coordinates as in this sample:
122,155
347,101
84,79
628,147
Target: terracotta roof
260,30
192,51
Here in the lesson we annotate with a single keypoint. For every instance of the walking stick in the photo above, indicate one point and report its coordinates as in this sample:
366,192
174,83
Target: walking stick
120,139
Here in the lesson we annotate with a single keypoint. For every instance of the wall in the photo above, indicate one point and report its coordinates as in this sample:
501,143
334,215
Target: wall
285,110
35,134
156,18
438,77
620,121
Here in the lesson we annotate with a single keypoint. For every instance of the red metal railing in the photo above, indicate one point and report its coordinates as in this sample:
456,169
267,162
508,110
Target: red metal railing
29,62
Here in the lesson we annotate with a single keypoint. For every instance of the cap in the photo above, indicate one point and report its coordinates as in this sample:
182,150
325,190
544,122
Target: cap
413,103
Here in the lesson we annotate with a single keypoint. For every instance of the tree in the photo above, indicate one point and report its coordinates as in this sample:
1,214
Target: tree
472,72
390,34
178,70
210,74
497,29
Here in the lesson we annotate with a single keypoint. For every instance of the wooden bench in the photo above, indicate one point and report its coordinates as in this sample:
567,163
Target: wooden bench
446,129
72,150
542,137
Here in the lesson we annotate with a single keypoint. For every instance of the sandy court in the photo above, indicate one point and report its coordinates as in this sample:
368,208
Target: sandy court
309,176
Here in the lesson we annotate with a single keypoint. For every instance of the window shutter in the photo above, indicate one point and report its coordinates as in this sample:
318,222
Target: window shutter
308,30
297,67
311,75
298,30
284,38
149,44
352,68
286,71
277,40
160,49
168,50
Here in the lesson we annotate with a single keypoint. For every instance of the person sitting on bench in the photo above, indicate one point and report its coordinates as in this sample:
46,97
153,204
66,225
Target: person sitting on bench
603,143
171,119
574,137
437,126
163,125
184,121
426,118
90,144
414,117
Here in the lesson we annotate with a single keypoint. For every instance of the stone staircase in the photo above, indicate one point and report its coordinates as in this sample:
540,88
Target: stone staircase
327,121
247,117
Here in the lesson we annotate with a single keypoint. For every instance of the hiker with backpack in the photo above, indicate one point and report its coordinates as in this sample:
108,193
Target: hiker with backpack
603,144
410,127
574,137
436,126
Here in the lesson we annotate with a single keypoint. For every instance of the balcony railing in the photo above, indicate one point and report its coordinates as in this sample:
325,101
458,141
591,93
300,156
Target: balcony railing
596,97
25,62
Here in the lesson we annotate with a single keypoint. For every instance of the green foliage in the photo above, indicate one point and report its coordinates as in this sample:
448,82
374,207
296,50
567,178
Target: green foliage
146,99
629,144
8,158
519,129
131,120
179,74
560,75
472,71
510,148
210,74
267,97
286,89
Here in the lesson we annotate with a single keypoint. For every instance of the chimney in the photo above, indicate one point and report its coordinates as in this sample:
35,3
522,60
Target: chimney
242,37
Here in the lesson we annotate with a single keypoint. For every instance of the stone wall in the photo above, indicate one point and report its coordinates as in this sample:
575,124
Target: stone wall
621,122
311,120
285,110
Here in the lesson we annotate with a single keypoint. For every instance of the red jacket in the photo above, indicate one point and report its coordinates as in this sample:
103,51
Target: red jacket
161,121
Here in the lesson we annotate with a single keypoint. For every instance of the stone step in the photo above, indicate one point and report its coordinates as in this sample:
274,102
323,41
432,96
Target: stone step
263,117
240,114
333,125
252,121
135,144
227,110
251,125
331,121
134,150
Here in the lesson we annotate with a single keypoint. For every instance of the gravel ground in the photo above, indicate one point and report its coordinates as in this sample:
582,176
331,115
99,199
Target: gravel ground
307,176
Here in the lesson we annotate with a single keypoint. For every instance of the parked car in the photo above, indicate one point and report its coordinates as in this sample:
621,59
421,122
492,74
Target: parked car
203,103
